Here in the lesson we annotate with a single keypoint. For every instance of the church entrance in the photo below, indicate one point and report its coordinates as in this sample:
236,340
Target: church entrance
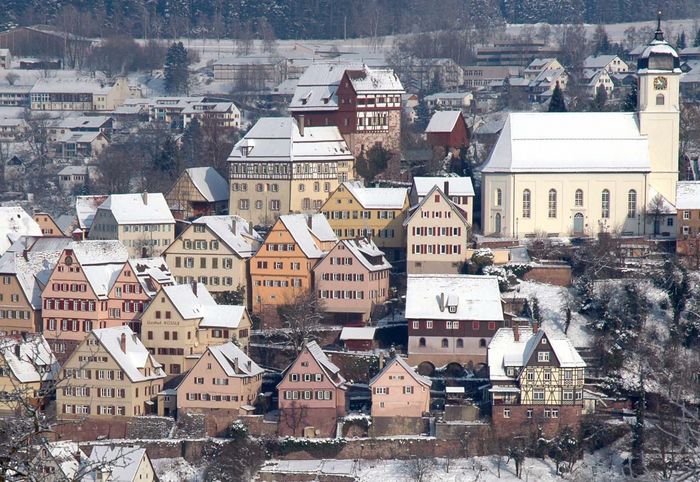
578,223
498,224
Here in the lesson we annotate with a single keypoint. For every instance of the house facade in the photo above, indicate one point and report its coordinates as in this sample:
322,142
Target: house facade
111,374
398,391
536,380
447,128
199,191
438,234
282,167
355,211
282,268
352,281
451,318
311,395
214,250
80,95
688,219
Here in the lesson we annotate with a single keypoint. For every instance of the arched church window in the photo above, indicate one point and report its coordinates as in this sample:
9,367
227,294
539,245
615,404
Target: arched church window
526,203
632,204
499,197
605,204
660,99
552,203
578,197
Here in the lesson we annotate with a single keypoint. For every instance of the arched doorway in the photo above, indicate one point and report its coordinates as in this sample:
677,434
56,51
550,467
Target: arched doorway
578,223
498,224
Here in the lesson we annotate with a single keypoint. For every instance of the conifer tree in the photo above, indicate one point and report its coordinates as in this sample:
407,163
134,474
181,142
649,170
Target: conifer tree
696,42
601,97
557,103
175,70
630,103
681,42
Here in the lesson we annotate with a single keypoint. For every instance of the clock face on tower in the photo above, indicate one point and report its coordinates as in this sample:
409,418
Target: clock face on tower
660,83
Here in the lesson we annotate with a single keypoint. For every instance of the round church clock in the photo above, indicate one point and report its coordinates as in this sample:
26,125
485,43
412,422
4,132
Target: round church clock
660,83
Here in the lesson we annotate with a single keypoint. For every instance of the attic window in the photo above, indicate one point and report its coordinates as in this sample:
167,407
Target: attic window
544,341
452,308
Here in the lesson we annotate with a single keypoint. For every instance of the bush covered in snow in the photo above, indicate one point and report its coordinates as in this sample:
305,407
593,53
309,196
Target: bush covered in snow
316,447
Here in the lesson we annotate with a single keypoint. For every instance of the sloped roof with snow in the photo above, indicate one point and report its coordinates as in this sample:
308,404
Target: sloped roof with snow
458,186
306,229
598,61
666,206
234,361
133,209
234,231
365,251
15,222
64,455
186,302
398,360
209,183
443,121
86,207
688,195
148,269
357,333
73,170
368,81
279,139
36,362
101,262
332,371
377,197
477,298
570,142
316,88
32,270
121,462
222,316
134,358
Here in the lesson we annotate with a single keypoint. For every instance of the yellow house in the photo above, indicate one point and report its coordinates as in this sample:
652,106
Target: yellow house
378,213
27,365
182,320
111,373
214,250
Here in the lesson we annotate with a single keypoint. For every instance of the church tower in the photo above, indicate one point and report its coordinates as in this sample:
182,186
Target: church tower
658,109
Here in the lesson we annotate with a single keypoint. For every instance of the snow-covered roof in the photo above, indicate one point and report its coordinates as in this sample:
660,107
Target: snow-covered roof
65,455
598,61
81,137
454,390
73,171
222,316
443,121
84,122
73,86
436,190
279,139
316,88
367,253
458,186
121,462
570,142
666,206
368,80
658,48
32,269
209,183
504,351
448,95
15,222
234,231
133,359
186,302
101,262
234,361
377,197
148,270
209,107
30,360
306,229
408,369
357,333
138,208
471,297
86,208
320,356
688,195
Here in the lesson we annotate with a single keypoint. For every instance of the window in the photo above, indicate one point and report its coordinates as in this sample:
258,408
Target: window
555,413
421,342
686,215
416,324
547,376
527,203
429,324
543,356
530,376
460,343
552,203
632,204
445,343
605,204
506,413
568,395
538,395
568,374
243,204
482,343
499,197
408,390
660,99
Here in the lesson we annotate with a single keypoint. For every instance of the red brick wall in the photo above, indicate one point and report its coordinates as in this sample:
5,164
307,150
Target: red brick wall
519,424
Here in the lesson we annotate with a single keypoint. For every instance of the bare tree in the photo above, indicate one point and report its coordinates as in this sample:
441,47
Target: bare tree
301,318
418,469
294,417
656,210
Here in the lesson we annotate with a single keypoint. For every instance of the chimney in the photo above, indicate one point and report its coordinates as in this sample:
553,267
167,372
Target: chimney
194,287
442,301
18,350
78,235
516,332
235,365
122,342
381,360
144,196
446,189
144,252
249,365
301,125
309,221
233,226
25,254
535,326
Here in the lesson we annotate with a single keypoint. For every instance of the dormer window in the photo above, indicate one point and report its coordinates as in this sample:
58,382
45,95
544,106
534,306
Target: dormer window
510,371
452,309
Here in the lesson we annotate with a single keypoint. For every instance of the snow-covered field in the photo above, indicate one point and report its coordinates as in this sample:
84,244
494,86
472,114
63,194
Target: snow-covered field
551,300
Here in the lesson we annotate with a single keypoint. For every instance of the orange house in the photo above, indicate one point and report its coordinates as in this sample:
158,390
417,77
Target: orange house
282,267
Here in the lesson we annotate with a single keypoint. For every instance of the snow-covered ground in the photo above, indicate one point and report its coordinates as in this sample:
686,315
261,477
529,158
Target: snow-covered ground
552,308
177,470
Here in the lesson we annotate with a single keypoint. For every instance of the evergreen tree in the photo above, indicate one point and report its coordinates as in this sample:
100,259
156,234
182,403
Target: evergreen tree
630,102
601,41
696,42
176,74
557,103
166,161
601,97
681,41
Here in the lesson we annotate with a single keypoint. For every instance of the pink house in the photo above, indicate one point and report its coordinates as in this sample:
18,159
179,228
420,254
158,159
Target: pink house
352,281
311,395
223,384
398,391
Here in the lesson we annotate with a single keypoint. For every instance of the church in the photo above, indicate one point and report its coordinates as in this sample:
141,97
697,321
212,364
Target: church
582,173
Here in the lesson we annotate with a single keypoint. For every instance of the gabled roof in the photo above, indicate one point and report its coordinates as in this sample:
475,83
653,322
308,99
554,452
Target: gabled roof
234,361
377,197
570,142
209,183
134,358
458,186
316,88
427,198
306,229
357,333
32,269
36,362
364,250
598,61
368,81
688,195
186,302
398,360
147,270
234,231
101,262
138,208
222,316
476,298
15,222
121,462
443,121
86,207
332,371
64,454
